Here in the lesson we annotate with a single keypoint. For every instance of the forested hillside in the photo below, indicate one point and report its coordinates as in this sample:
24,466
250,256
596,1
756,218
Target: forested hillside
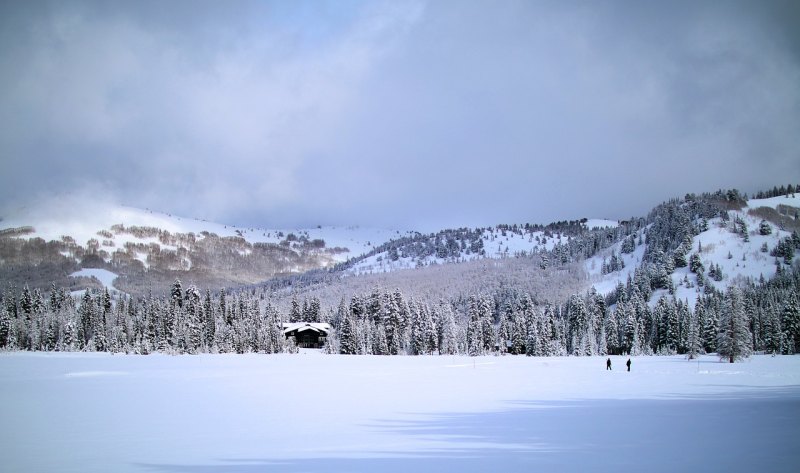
539,302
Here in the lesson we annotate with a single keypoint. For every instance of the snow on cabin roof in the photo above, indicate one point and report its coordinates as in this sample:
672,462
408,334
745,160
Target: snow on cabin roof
303,326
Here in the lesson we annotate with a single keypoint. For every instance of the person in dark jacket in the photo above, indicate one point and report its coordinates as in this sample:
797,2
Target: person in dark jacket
628,364
608,364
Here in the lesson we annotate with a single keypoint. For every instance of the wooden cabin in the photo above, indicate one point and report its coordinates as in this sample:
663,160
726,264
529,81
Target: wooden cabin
307,334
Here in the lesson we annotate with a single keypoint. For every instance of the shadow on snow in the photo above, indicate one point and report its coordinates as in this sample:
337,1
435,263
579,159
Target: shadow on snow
758,430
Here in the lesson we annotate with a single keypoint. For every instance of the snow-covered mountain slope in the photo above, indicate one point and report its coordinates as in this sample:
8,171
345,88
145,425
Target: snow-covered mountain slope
470,244
792,200
83,222
722,245
53,239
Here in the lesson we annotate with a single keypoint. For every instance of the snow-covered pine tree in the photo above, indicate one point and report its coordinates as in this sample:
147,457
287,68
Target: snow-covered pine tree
612,332
772,336
403,319
551,336
275,323
295,312
474,328
419,343
68,341
431,334
518,335
629,244
533,342
5,327
391,326
710,329
578,318
209,321
734,340
790,325
380,343
176,294
314,310
448,344
487,324
374,305
694,342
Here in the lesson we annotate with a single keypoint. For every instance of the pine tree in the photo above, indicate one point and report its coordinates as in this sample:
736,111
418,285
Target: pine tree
68,341
695,264
710,329
627,320
665,315
348,344
209,325
26,303
694,342
5,328
448,344
223,309
518,335
99,339
533,342
431,334
391,326
419,343
578,316
734,340
790,325
313,310
194,334
380,343
374,306
475,346
487,327
772,337
176,294
86,313
295,312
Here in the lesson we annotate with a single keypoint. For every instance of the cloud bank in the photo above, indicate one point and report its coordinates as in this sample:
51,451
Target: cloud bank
404,114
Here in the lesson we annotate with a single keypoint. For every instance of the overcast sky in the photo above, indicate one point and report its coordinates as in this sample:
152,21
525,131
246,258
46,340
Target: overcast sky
411,114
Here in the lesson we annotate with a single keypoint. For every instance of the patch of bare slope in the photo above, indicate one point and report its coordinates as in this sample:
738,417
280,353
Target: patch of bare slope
450,281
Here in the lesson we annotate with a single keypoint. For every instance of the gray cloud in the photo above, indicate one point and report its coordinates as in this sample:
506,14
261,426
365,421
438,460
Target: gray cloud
406,114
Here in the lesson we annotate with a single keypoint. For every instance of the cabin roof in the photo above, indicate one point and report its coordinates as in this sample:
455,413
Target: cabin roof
304,326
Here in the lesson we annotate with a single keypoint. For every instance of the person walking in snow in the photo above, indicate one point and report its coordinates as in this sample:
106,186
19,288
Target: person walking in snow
628,364
608,364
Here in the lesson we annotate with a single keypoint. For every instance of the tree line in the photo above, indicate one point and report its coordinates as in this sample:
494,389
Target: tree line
763,316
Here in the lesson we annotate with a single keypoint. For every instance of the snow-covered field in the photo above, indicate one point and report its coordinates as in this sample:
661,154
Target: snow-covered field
309,412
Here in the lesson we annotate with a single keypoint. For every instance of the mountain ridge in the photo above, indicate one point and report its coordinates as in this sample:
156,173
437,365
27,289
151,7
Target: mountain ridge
148,249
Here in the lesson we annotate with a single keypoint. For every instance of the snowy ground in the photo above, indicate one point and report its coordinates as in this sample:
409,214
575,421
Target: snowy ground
105,276
309,412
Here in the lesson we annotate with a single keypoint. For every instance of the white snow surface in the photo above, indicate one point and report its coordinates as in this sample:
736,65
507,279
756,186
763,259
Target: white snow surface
792,201
82,412
601,223
105,276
